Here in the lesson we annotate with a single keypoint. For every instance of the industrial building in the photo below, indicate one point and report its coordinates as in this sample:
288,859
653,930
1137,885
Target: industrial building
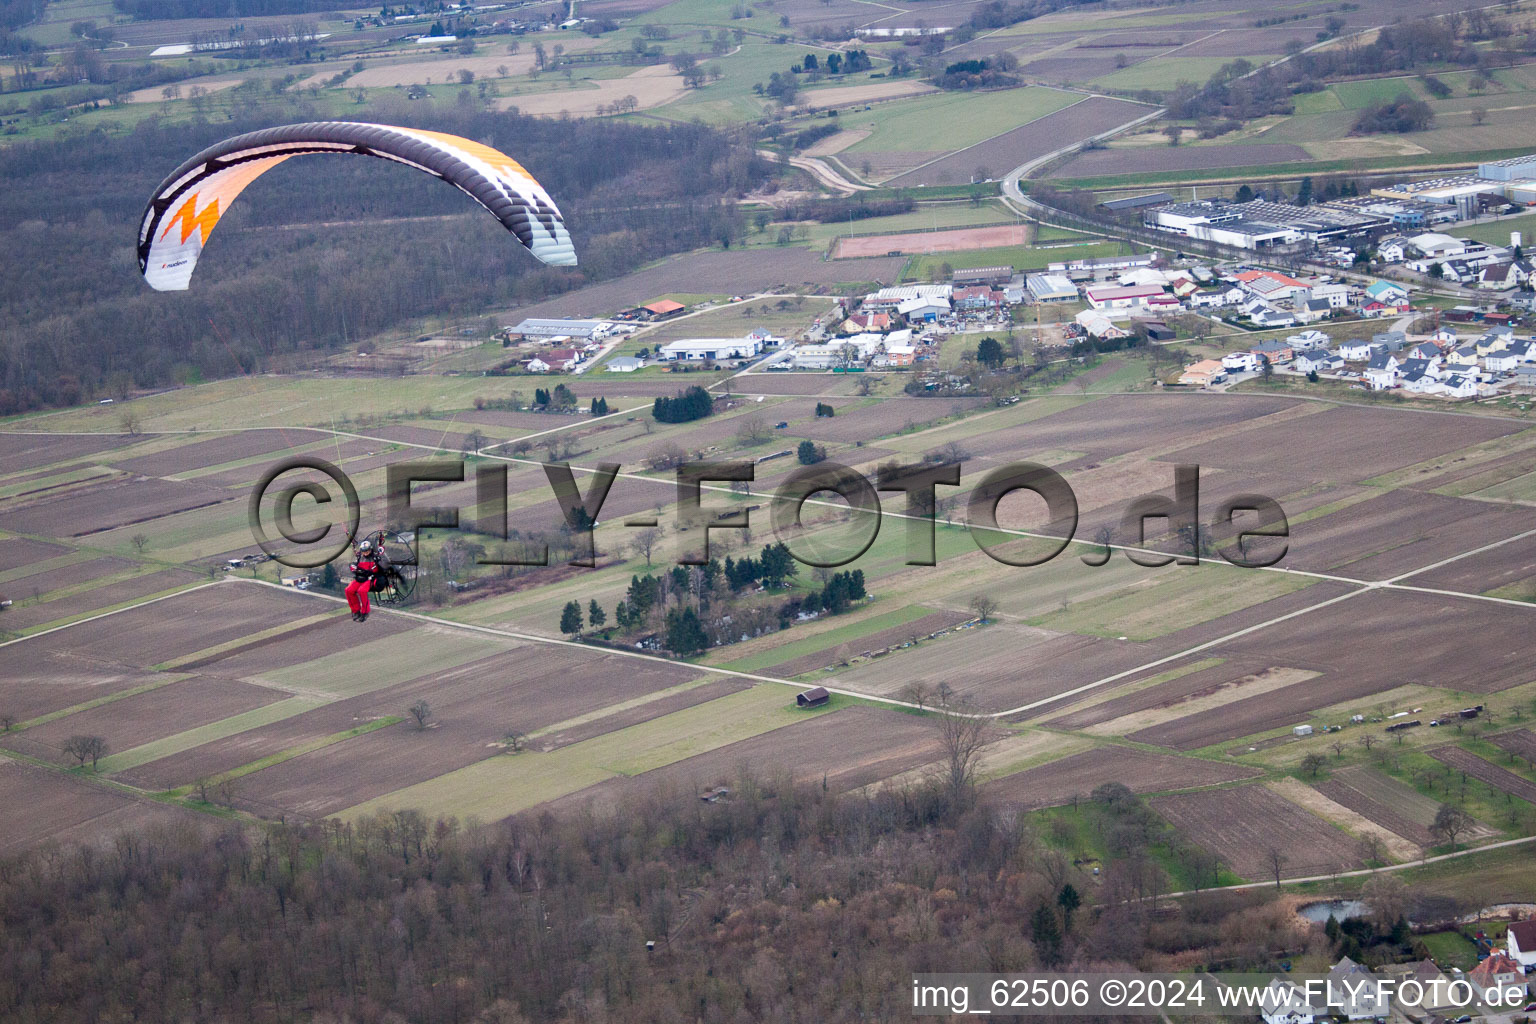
1260,224
1051,288
711,348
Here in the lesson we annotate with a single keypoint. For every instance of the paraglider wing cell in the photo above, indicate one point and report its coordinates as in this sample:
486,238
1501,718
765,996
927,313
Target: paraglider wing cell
188,204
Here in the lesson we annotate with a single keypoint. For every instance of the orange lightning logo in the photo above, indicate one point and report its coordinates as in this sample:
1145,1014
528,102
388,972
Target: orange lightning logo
192,221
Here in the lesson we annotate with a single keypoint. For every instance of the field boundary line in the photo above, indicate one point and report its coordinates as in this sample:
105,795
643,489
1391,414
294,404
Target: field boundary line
983,142
1189,651
114,611
1361,872
590,648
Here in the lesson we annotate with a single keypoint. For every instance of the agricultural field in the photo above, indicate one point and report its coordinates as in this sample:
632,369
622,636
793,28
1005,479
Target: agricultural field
1501,779
1519,742
1074,777
1250,827
1387,802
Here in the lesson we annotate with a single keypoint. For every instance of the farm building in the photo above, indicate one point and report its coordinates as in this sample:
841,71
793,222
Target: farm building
711,348
579,330
661,309
814,697
990,277
624,364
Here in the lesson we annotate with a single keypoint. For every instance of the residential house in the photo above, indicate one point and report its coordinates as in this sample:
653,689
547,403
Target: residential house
1459,386
1285,1002
1522,942
1269,317
1499,277
1424,366
1203,373
563,359
1500,361
1464,354
1497,973
1383,360
1426,350
976,298
1386,291
536,365
1353,989
1381,379
1355,349
1320,361
1275,351
1525,375
1420,383
1497,337
1392,341
1336,295
1241,362
1392,249
1432,981
1099,325
1312,310
858,322
1307,341
1525,351
1445,337
897,355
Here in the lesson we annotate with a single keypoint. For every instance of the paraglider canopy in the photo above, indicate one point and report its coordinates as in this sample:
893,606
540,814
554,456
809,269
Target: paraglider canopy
190,201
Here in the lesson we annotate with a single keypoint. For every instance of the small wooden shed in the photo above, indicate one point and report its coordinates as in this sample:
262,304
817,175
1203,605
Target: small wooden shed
813,698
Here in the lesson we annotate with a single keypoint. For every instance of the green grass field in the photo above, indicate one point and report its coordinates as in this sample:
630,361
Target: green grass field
950,120
1358,95
1020,257
1163,73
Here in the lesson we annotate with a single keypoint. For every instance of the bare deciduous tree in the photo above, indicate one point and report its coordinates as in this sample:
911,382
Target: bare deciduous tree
1450,824
516,742
962,733
984,605
1276,859
86,748
421,711
644,543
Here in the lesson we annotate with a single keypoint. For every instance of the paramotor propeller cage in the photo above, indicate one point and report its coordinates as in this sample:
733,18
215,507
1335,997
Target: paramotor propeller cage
399,567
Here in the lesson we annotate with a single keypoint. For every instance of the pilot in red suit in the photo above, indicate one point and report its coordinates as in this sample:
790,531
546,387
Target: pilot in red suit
365,572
